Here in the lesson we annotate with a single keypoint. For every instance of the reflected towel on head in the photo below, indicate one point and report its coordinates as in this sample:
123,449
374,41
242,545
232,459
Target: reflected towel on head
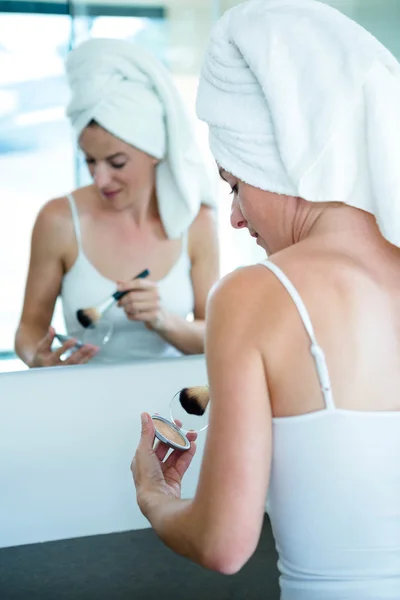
302,101
132,95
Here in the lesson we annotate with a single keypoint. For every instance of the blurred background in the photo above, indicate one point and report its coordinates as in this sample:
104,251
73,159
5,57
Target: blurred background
38,155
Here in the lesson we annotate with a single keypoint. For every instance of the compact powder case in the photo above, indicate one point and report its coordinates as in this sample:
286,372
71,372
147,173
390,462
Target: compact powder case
170,434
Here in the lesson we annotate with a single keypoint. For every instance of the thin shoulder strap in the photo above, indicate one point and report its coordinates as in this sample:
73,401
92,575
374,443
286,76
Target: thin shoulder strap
75,220
316,350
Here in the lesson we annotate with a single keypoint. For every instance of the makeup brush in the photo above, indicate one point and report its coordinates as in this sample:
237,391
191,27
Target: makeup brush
88,317
194,400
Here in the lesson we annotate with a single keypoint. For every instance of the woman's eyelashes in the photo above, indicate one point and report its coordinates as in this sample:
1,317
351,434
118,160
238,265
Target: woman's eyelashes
234,189
91,162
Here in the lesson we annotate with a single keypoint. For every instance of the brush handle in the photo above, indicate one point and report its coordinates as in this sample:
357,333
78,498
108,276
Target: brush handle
65,338
142,275
107,304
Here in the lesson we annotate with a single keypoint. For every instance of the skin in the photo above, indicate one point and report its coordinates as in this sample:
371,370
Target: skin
121,208
343,268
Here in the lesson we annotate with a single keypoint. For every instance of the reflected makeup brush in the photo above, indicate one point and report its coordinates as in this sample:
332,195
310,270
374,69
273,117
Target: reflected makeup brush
88,317
194,400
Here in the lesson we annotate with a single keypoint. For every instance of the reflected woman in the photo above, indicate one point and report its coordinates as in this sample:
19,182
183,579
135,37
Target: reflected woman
151,206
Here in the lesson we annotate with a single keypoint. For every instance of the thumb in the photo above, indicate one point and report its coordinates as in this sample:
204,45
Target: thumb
123,286
148,431
46,342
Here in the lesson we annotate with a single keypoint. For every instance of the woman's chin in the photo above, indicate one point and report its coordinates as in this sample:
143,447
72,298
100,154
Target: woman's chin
260,242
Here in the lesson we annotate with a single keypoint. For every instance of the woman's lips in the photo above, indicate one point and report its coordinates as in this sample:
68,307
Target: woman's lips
110,195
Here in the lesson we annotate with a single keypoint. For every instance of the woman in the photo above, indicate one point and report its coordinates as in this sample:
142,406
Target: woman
149,207
303,356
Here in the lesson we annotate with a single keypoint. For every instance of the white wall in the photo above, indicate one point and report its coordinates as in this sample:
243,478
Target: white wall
67,437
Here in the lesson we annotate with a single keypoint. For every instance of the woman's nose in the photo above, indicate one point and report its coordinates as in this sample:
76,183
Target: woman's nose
237,219
101,176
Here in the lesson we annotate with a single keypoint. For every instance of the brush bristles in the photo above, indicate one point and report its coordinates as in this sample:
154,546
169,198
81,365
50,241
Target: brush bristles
194,400
88,316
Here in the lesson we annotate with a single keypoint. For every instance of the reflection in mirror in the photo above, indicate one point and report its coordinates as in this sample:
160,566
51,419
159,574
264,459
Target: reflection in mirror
139,243
149,206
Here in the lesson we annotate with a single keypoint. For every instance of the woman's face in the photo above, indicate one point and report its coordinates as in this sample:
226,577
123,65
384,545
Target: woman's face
123,174
268,217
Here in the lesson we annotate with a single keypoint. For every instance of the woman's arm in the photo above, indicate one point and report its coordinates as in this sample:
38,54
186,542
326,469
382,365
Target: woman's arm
33,339
220,527
188,336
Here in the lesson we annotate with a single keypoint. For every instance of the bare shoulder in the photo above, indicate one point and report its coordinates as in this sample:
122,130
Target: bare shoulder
245,283
56,215
53,223
54,210
206,217
246,298
203,242
204,226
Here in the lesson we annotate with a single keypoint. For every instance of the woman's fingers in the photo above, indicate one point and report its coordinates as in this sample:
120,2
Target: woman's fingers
146,469
161,451
139,290
140,308
180,460
142,302
145,317
45,343
137,299
82,355
176,454
135,285
68,345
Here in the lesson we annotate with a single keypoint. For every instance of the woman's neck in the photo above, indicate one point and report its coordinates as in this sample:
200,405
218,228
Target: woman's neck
142,210
336,219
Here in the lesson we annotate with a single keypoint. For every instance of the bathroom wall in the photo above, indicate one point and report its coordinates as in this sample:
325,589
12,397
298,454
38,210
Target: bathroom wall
67,437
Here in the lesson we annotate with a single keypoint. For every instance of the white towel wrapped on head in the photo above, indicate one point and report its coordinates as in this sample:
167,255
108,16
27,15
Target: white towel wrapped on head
303,101
132,96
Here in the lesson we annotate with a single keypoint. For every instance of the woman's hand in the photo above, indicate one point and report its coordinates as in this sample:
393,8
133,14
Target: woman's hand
155,479
142,302
46,357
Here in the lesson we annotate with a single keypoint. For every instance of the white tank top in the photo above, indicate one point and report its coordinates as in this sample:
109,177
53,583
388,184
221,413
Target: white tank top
83,286
334,495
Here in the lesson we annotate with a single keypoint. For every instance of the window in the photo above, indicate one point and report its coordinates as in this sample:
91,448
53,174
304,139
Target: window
36,150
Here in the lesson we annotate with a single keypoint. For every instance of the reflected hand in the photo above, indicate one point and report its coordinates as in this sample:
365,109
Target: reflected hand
46,357
142,302
154,478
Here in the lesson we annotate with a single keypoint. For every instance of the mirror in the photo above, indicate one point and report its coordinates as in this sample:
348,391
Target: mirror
40,160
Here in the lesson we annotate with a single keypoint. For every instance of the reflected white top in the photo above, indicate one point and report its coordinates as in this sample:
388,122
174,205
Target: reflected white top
334,495
83,286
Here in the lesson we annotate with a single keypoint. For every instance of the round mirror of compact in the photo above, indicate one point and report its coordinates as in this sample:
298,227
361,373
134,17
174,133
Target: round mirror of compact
188,413
190,408
99,334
